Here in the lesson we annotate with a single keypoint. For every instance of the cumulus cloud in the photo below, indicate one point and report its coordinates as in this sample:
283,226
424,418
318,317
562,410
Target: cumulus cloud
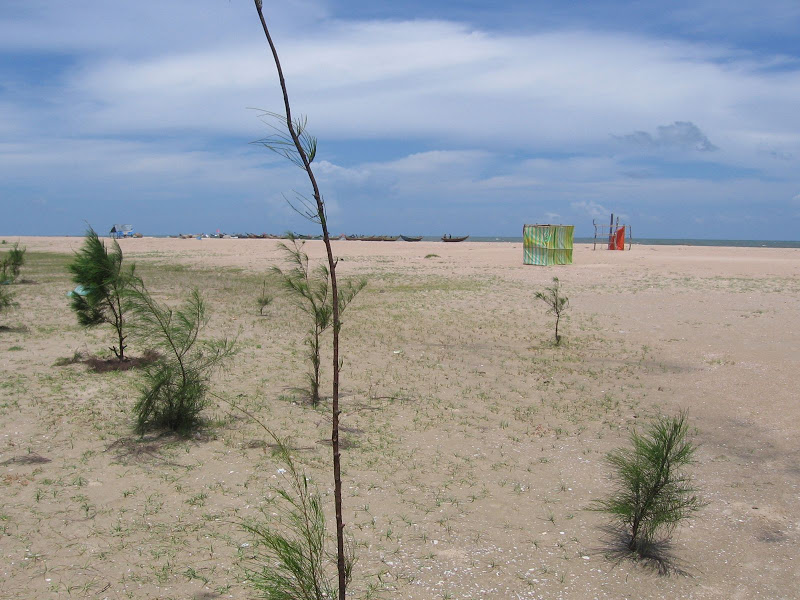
682,135
591,208
473,116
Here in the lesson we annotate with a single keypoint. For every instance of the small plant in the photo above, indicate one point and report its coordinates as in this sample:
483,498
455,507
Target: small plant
556,303
102,282
265,299
174,390
653,494
431,256
311,293
289,559
6,299
11,264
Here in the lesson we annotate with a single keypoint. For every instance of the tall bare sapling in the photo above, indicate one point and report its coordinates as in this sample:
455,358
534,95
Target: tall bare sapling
300,148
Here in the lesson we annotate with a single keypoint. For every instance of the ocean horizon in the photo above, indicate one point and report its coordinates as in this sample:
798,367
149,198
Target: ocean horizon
578,240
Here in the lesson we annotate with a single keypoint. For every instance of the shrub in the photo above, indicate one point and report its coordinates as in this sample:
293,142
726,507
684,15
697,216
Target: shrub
290,560
556,303
653,494
102,282
174,389
310,291
11,264
265,299
6,299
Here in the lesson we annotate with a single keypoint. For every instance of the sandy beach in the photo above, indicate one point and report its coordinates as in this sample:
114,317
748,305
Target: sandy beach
474,447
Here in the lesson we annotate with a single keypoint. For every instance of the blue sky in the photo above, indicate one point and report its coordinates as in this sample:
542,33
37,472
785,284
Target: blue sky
432,117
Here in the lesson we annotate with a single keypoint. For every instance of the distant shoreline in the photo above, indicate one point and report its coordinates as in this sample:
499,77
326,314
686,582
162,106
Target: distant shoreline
518,240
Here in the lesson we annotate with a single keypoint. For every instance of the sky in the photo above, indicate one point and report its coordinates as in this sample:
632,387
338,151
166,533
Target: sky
431,116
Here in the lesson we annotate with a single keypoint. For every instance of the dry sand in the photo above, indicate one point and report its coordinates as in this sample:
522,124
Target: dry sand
474,445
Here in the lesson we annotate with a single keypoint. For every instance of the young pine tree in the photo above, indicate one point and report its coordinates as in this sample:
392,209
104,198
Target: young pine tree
310,291
264,299
174,390
6,299
556,303
102,282
290,559
11,263
653,493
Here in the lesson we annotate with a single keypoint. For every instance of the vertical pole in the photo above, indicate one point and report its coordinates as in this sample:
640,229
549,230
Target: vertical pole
595,234
611,232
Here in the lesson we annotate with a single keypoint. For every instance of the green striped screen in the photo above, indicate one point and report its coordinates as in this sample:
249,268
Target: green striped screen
547,244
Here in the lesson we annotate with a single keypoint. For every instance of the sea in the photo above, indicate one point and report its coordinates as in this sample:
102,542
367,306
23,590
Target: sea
636,241
652,241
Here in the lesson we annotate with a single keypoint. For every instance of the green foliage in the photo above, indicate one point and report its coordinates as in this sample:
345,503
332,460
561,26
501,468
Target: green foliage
556,303
174,389
103,280
11,263
289,559
6,299
265,299
280,142
653,494
310,292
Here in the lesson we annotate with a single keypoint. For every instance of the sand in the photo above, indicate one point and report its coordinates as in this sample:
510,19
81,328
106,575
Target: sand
474,446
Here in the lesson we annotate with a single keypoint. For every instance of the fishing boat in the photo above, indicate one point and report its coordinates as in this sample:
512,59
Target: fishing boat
450,238
411,238
389,238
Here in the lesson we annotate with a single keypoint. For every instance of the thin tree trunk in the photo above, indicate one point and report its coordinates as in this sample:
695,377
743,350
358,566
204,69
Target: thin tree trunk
316,351
337,475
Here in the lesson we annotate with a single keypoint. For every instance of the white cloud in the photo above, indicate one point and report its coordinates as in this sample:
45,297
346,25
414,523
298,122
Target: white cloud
436,80
143,107
591,208
683,135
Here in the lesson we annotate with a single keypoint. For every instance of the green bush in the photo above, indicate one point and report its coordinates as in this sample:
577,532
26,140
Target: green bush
289,559
174,389
6,299
653,493
310,290
11,263
102,283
